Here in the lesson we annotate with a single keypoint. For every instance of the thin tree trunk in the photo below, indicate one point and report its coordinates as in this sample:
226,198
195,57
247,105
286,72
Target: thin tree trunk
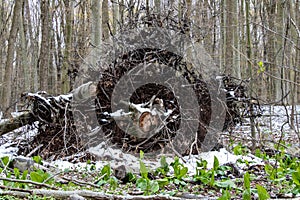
7,88
44,57
105,20
249,58
96,23
67,64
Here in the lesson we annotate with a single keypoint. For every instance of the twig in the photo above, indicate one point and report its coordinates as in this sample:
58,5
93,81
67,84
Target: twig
84,193
15,189
28,182
34,150
81,183
257,140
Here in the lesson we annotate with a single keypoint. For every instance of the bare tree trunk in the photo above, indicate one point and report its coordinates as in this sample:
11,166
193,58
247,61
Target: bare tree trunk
44,57
7,87
157,6
32,48
230,23
249,58
121,11
96,22
25,65
105,20
115,17
67,64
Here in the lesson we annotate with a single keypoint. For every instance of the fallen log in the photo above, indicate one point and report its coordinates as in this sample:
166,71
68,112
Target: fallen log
13,123
44,108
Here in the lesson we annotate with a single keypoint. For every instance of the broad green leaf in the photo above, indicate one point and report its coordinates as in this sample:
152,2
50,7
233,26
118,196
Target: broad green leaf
36,177
142,183
141,155
247,180
24,175
154,187
296,178
5,160
143,170
106,172
225,184
183,172
262,192
216,163
17,173
37,159
163,182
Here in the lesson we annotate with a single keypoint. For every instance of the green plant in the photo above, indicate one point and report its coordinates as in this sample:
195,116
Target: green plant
164,167
225,195
240,150
296,181
247,190
38,159
179,171
262,192
40,176
107,178
144,183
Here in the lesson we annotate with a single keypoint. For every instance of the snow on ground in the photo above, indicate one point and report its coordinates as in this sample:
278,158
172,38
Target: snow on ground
269,126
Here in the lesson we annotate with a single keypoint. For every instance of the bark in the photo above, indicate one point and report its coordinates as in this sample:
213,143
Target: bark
121,11
9,65
105,20
79,194
96,22
249,61
25,64
67,64
16,122
44,57
115,17
230,24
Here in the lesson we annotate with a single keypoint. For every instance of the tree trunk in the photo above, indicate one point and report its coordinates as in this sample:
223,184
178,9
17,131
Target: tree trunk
44,57
96,23
67,64
9,65
105,20
250,73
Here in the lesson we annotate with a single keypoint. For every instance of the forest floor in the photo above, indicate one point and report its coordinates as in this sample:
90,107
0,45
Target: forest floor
271,170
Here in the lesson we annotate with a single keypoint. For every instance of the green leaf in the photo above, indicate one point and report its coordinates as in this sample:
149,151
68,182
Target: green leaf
247,195
216,163
183,172
113,183
247,192
5,160
296,177
163,182
225,184
106,172
247,180
164,164
24,175
154,187
143,170
17,173
212,179
37,159
142,183
225,195
262,192
36,177
141,155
